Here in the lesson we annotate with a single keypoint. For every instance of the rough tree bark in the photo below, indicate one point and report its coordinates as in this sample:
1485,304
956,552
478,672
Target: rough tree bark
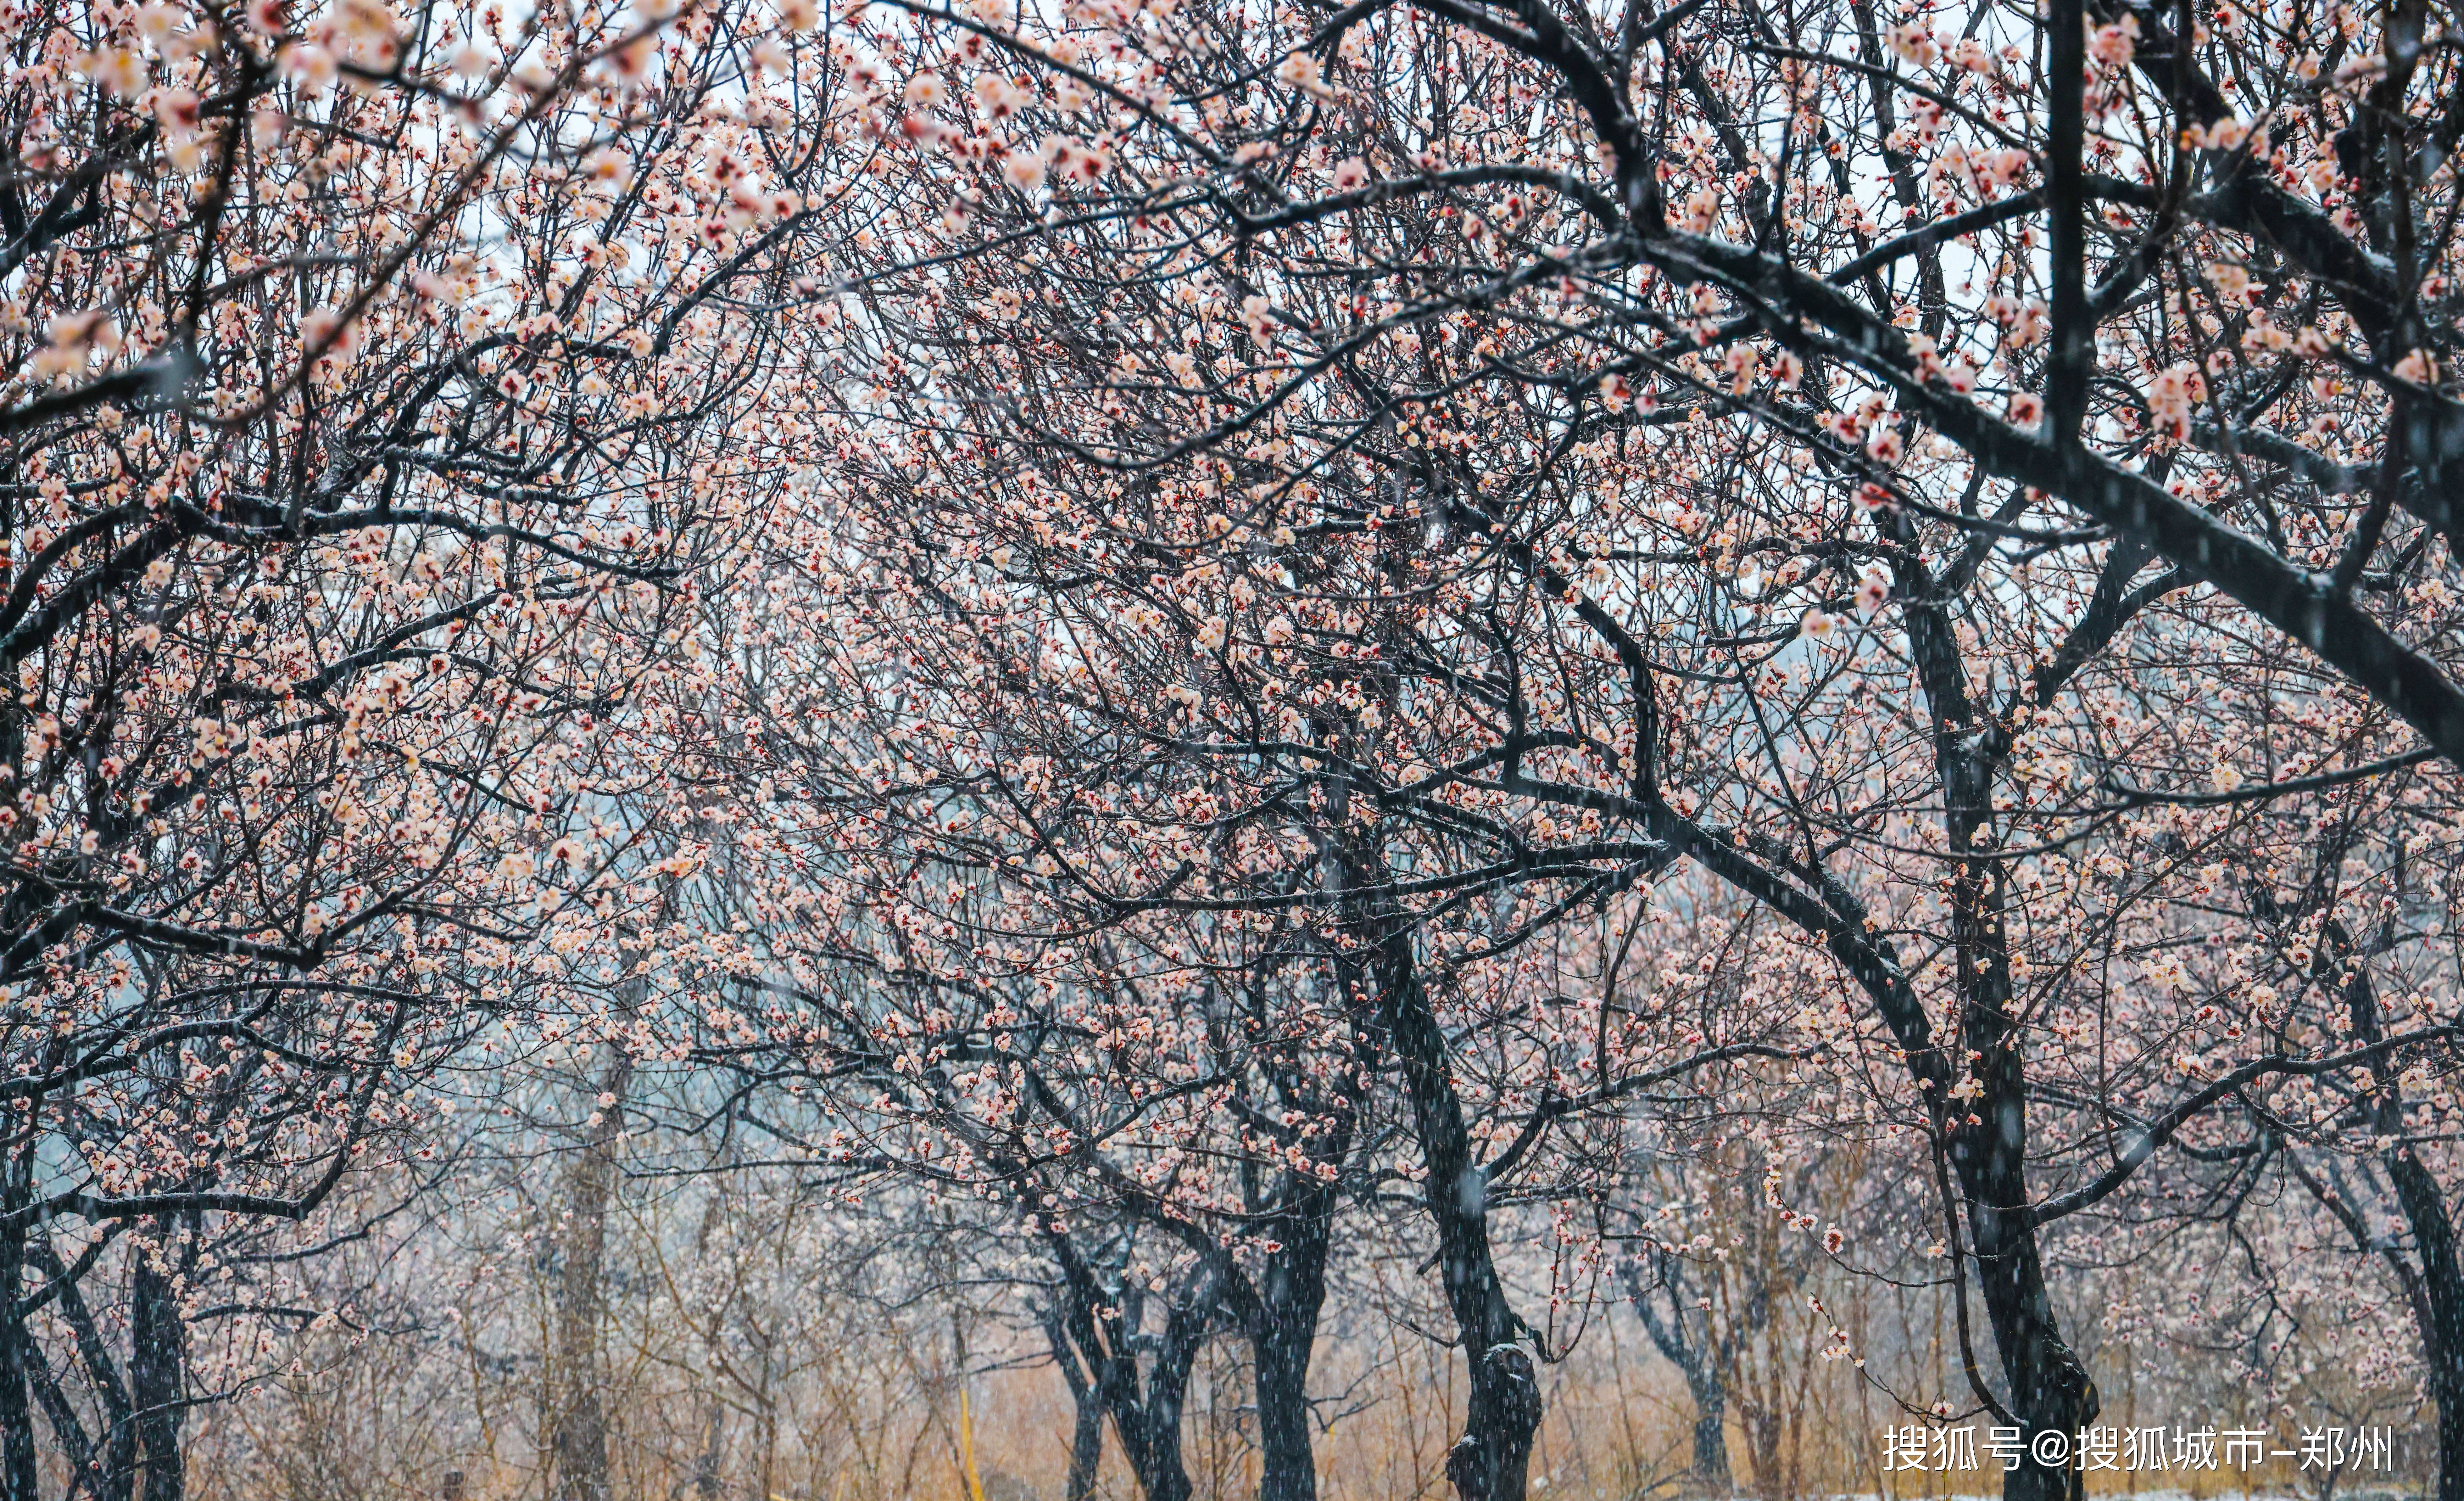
1282,1337
577,1423
1491,1462
17,1473
1087,1427
156,1365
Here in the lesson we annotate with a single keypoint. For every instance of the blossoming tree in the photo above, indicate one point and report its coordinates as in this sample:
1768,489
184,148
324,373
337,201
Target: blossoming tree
1536,445
370,377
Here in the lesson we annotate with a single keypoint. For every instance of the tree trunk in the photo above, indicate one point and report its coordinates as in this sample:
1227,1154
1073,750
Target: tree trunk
1987,1139
2442,1274
1086,1450
2440,1307
17,1473
107,1460
1711,1441
1694,1361
158,1349
706,1463
1281,1350
1145,1399
1279,1313
2049,1389
578,1429
1151,1438
1087,1405
1148,1425
1491,1460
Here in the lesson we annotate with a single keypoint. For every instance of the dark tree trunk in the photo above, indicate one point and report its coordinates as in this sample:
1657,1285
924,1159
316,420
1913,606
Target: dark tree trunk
16,1359
1086,1450
1280,1313
1491,1460
1148,1423
1711,1439
1146,1399
2439,1306
1696,1361
1281,1349
157,1368
110,1458
1150,1431
2049,1389
1087,1431
1985,1137
1280,1316
2442,1274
